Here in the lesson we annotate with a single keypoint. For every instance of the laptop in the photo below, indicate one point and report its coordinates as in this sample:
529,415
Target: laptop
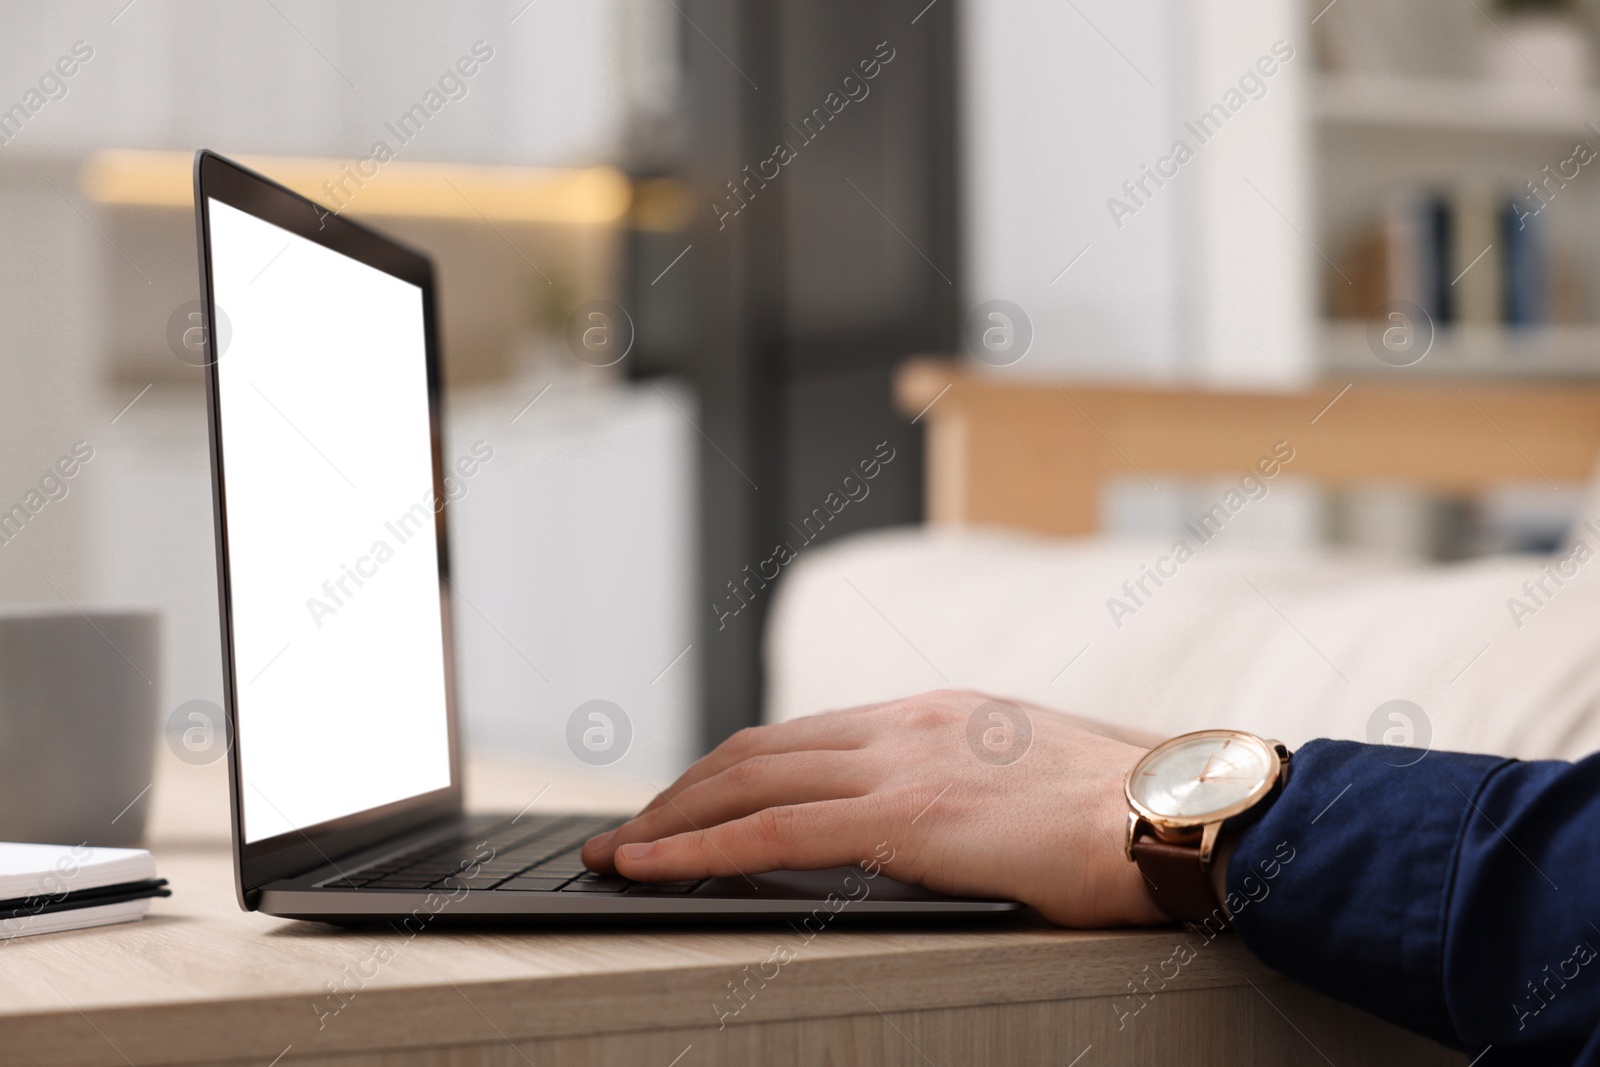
323,393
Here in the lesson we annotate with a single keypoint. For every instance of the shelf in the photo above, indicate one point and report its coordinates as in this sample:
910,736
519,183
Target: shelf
1548,352
586,196
1472,106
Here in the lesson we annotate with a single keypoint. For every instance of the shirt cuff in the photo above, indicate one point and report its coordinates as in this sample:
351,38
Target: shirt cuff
1343,883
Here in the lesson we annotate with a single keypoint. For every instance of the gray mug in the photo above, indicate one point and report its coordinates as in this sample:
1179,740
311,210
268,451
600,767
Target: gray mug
78,725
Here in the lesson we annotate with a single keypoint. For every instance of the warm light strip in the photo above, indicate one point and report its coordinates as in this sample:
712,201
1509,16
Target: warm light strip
591,196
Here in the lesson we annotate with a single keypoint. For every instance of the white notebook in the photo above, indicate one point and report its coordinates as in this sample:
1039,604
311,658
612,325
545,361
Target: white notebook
46,888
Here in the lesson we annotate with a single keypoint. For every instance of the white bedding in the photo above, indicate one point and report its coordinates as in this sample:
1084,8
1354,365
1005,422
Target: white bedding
1290,645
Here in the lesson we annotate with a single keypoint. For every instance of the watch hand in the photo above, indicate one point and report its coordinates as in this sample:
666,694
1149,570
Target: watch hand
1207,767
1226,766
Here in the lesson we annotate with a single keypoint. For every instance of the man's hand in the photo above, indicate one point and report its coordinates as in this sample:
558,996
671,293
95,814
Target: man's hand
924,781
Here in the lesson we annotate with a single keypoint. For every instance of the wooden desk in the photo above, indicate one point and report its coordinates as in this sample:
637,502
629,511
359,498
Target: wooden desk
199,981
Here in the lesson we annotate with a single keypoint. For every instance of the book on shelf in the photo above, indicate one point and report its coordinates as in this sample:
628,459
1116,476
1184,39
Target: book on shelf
1466,256
1526,270
1396,37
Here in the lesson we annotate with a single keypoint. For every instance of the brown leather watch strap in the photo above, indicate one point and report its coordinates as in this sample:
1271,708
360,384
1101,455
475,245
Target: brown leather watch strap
1179,884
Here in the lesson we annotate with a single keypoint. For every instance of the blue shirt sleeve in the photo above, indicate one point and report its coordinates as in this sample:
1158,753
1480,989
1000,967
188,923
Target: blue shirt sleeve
1458,895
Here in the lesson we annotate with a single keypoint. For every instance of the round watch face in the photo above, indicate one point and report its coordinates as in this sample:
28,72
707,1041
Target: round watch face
1203,774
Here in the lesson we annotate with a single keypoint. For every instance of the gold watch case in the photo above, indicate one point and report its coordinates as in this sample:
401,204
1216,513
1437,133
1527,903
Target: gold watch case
1205,827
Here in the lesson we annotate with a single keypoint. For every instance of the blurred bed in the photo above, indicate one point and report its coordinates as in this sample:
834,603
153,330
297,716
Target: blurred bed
1009,589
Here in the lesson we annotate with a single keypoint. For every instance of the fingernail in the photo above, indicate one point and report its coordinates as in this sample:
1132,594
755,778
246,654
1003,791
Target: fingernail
599,840
636,851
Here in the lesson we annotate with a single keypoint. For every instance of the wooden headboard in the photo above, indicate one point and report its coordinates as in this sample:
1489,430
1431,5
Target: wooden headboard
1035,454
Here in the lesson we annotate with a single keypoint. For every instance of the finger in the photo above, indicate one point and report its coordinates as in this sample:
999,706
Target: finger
765,781
840,730
799,837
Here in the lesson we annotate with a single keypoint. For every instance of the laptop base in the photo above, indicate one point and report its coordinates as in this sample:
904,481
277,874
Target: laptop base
505,852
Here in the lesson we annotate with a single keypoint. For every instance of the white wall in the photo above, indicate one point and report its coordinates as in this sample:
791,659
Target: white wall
317,78
1066,102
1053,119
48,381
574,552
1248,266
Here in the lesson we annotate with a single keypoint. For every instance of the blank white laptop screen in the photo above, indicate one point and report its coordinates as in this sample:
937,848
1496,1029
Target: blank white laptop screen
338,635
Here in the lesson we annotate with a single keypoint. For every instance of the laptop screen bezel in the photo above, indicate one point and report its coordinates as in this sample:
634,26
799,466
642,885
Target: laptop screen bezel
295,852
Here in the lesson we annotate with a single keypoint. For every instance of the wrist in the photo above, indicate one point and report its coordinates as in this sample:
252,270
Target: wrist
1087,882
1130,894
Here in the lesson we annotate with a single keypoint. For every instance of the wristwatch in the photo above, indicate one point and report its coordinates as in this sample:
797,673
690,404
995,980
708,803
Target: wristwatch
1182,796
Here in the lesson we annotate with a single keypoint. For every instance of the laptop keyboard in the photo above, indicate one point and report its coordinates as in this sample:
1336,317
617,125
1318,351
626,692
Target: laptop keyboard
531,854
